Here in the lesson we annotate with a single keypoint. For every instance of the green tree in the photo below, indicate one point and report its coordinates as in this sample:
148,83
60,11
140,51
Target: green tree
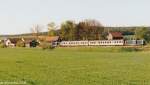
52,29
68,30
52,33
147,36
142,33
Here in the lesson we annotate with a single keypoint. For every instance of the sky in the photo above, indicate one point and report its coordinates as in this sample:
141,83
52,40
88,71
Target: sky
18,16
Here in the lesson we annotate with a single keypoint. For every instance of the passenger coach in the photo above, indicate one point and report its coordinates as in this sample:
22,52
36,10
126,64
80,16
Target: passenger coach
103,43
93,43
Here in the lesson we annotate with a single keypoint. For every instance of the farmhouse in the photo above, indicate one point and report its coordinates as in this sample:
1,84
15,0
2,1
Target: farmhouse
50,39
115,36
11,42
27,41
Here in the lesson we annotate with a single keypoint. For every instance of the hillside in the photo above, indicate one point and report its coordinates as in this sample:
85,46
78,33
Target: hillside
20,35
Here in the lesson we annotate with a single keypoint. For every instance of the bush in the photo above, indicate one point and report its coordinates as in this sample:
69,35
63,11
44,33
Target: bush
46,45
34,43
20,44
2,45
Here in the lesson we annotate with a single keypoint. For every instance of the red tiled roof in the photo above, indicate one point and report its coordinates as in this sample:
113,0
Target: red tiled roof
14,40
116,34
49,38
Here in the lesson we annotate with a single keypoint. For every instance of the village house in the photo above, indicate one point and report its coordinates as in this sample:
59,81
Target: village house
27,41
54,40
115,36
11,42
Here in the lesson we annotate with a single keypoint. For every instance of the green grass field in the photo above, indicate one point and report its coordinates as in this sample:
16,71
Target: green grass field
75,66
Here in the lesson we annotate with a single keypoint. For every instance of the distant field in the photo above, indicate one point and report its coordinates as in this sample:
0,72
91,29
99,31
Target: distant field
75,66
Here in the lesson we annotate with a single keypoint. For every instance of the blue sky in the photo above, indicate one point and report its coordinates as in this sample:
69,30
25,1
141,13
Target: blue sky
18,16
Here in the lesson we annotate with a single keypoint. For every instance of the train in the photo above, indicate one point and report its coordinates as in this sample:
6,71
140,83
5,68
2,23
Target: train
102,43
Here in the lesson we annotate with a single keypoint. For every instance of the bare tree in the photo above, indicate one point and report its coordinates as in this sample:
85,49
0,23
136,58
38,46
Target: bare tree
36,29
90,29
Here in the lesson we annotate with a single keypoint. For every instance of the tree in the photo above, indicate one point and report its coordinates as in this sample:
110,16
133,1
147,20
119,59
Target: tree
52,29
36,29
147,36
142,33
90,30
68,30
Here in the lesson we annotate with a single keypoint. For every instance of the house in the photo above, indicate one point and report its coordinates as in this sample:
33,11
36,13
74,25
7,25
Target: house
11,42
115,36
54,40
27,41
30,42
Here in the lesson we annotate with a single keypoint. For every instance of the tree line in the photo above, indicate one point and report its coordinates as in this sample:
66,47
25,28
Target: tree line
84,30
91,29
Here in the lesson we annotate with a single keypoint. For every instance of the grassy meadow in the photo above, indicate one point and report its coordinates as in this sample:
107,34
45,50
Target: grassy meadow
75,66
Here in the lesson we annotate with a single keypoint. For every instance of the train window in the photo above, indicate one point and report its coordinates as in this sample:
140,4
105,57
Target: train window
92,42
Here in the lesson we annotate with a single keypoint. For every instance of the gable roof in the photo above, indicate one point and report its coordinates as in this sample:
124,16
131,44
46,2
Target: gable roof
28,40
49,38
116,34
14,40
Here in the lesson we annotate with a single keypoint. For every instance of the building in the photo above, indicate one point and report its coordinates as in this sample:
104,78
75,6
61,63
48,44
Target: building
115,36
11,42
54,40
27,41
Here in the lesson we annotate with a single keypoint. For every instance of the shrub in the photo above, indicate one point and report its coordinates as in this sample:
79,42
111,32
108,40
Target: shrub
34,43
2,45
46,45
20,44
